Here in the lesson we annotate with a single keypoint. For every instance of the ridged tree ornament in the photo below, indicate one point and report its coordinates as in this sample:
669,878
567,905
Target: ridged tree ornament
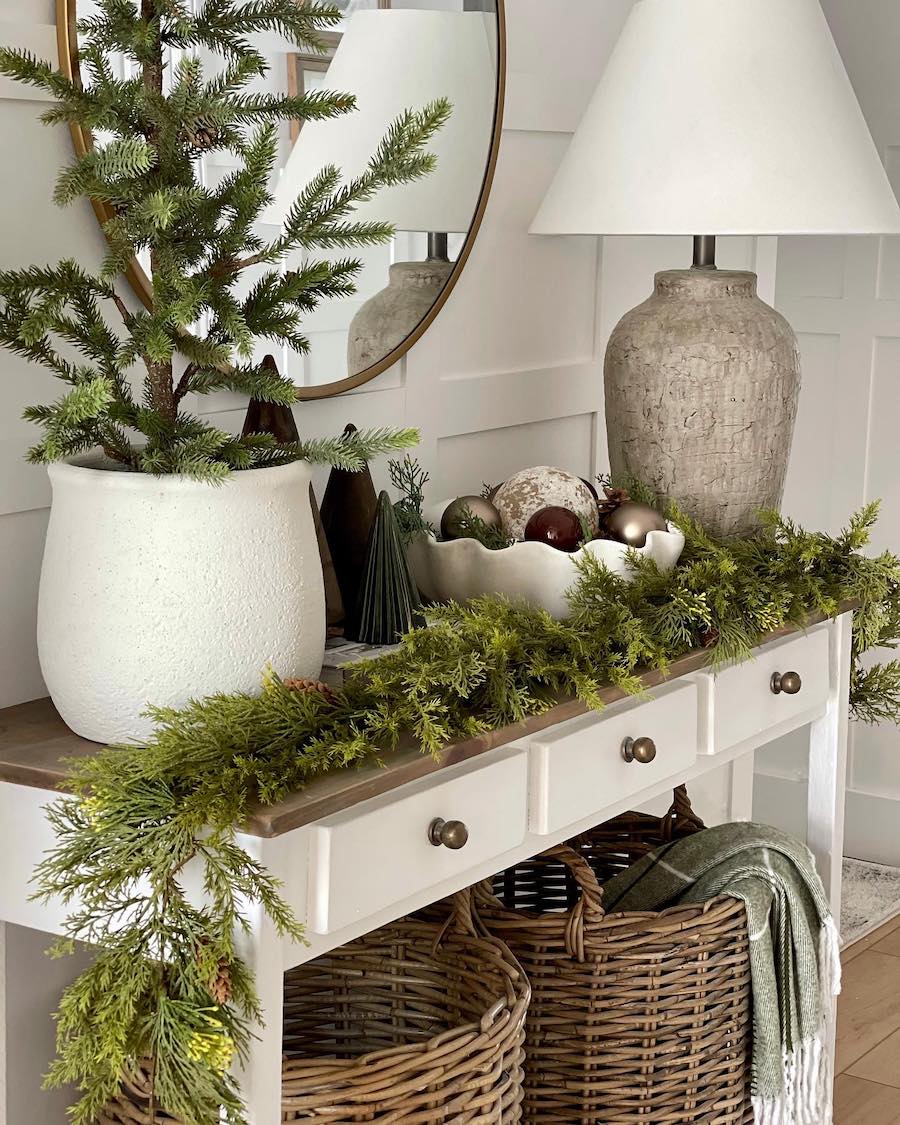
389,603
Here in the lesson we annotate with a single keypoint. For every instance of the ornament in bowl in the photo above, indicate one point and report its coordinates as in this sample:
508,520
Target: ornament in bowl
526,540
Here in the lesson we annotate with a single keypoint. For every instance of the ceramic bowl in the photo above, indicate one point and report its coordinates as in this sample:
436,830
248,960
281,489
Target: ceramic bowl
460,569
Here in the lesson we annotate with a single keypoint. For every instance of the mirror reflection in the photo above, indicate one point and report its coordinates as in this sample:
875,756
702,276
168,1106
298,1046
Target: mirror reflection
392,55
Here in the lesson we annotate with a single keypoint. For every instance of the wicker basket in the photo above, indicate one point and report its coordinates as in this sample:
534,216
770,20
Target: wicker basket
132,1106
418,1023
637,1018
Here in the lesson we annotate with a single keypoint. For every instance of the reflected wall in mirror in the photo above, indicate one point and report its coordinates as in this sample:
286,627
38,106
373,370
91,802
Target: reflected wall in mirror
392,55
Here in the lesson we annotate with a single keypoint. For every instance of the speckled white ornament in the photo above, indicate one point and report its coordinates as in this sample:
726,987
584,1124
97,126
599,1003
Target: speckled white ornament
532,489
165,589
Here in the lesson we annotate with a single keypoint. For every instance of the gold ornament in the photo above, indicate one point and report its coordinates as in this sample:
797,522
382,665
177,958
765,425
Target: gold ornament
631,523
457,510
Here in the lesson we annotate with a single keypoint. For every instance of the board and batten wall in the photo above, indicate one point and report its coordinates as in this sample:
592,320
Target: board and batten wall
842,296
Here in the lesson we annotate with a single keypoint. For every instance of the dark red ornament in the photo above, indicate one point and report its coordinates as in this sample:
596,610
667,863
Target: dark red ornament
555,526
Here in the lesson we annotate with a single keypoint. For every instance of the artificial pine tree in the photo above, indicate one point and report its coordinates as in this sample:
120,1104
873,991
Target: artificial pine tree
199,334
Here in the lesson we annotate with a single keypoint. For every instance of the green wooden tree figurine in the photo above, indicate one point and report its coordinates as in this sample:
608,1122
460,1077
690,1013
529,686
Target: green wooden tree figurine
389,602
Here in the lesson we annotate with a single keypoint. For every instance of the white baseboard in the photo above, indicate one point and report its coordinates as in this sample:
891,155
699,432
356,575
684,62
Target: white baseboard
872,828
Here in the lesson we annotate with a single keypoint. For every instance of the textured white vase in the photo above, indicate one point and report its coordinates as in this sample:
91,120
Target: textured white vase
158,590
702,383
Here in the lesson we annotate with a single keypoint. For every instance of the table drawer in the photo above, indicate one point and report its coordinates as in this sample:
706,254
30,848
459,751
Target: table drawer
379,853
579,768
739,702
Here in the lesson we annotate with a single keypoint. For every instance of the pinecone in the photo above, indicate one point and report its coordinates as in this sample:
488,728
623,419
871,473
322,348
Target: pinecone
220,985
708,636
310,687
614,497
203,135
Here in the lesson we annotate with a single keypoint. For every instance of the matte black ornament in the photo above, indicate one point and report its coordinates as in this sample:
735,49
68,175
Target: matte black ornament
388,604
592,488
456,511
557,527
631,523
348,511
270,417
278,420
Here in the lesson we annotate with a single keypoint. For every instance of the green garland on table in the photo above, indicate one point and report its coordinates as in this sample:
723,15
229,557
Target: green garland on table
166,981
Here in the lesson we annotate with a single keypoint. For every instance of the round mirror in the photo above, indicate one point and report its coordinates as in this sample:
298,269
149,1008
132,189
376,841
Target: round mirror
392,55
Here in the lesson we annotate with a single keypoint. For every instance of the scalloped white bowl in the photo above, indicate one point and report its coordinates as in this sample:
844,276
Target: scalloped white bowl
460,569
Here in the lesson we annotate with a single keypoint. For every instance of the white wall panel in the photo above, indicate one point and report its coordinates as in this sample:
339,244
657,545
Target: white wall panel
805,498
21,543
843,298
466,461
32,231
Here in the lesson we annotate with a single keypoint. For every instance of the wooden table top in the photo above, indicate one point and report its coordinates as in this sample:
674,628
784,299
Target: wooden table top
34,741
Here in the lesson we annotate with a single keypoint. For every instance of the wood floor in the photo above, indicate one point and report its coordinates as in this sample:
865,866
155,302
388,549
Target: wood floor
867,1090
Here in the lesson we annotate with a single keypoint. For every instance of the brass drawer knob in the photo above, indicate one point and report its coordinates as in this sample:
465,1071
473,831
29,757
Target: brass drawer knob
787,682
641,750
451,834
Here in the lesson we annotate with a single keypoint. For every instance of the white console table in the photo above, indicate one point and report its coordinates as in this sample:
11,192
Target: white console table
357,849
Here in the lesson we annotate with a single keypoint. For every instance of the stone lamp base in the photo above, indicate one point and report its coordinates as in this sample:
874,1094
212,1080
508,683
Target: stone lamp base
385,320
702,382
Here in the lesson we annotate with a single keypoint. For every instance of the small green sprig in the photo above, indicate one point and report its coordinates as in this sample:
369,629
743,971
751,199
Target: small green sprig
492,536
409,479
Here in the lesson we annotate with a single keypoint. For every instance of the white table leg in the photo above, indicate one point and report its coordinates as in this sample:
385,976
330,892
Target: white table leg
828,784
828,770
3,1060
260,1078
740,795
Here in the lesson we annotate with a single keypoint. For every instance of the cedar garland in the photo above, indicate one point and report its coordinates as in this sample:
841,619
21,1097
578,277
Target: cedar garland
167,982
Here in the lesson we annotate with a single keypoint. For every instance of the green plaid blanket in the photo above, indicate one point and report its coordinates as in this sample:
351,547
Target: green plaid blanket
794,951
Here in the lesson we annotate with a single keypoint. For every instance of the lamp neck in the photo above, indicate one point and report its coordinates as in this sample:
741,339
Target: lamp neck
437,246
704,251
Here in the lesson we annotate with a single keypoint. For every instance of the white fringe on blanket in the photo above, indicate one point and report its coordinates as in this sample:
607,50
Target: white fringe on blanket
808,1070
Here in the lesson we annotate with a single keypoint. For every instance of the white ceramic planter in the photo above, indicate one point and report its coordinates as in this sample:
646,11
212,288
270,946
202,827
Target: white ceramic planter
164,589
460,569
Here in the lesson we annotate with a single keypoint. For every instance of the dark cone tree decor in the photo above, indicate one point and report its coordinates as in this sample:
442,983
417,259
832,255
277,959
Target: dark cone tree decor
278,419
388,604
347,513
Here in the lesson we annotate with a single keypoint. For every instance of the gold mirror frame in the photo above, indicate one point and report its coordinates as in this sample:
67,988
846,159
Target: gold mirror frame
66,16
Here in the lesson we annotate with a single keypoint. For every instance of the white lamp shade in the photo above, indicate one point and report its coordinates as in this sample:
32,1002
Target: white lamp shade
722,117
400,59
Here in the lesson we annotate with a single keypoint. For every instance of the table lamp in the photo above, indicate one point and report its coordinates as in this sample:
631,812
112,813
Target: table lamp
715,117
392,60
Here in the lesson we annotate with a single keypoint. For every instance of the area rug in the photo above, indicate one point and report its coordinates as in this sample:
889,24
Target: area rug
870,896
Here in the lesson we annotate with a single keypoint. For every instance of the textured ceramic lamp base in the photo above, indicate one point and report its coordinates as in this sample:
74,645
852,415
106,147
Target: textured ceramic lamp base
385,320
702,382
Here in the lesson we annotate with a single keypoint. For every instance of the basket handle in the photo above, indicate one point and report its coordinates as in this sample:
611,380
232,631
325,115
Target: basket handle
680,817
464,919
588,908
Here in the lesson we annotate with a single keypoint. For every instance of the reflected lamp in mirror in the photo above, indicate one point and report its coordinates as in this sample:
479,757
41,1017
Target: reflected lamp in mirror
393,60
715,117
